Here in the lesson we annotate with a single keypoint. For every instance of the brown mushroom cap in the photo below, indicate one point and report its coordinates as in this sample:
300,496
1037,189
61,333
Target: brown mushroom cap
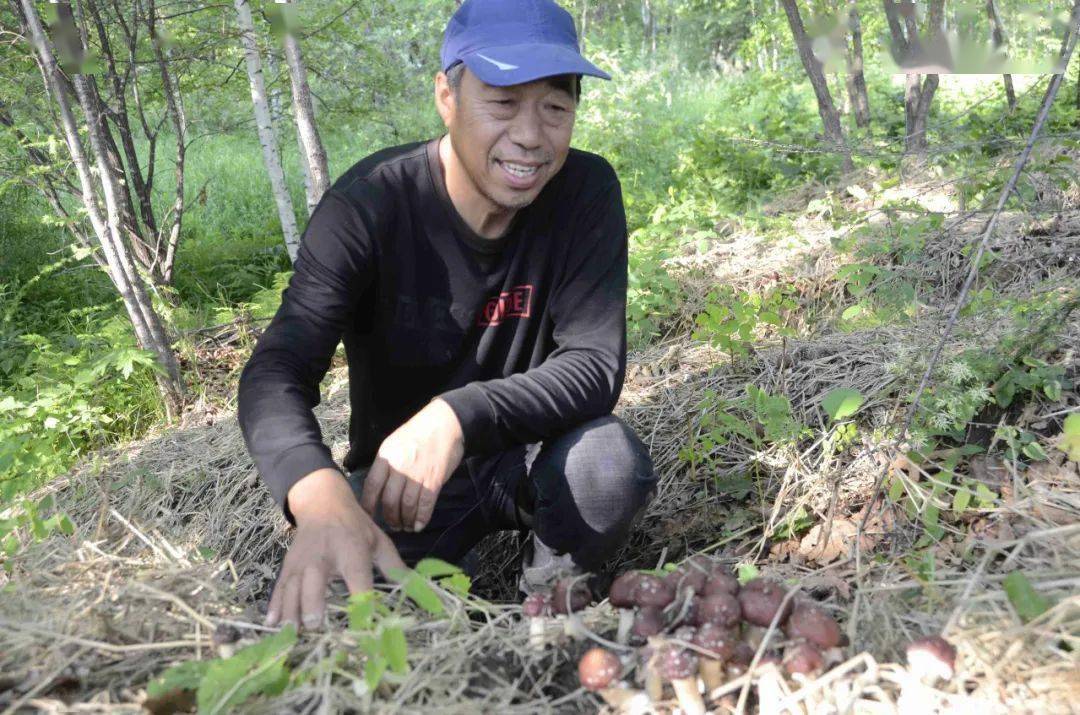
740,660
691,574
536,604
224,634
932,657
598,669
813,624
689,613
720,582
653,591
803,658
578,591
676,663
717,639
722,609
760,599
648,621
621,594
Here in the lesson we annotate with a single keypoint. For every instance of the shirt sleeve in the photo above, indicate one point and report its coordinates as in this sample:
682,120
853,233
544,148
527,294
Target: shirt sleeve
582,378
279,386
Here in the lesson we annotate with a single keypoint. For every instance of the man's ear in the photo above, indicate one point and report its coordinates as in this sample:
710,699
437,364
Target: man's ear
444,98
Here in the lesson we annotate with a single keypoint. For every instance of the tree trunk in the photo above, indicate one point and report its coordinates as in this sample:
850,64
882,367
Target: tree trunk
148,329
830,118
313,155
999,41
267,138
906,49
860,98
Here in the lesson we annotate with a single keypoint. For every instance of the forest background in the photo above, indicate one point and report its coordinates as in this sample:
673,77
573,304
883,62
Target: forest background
852,283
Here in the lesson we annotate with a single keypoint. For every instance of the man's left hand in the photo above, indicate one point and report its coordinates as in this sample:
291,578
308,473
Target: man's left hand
412,465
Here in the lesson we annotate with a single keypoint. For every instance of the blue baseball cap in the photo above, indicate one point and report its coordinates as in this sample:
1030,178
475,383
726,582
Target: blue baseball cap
508,42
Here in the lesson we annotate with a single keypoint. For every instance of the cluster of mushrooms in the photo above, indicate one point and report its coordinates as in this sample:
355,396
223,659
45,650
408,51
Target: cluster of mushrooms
696,629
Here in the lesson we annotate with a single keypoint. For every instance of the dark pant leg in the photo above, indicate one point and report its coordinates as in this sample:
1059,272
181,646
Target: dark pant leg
588,487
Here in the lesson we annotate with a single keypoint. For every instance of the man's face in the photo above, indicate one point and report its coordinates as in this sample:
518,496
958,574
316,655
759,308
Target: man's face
510,140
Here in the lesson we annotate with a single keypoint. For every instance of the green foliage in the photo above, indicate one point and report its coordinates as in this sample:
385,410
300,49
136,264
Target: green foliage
1029,603
223,684
732,319
842,402
1070,437
28,517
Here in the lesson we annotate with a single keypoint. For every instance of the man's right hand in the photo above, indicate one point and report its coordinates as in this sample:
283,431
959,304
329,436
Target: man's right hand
335,537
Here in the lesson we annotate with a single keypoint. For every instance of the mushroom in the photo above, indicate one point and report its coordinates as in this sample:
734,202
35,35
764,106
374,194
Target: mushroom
537,607
803,659
679,666
223,640
599,670
932,658
649,675
723,609
653,591
720,642
648,621
770,684
739,661
570,595
621,596
720,582
760,600
813,624
691,574
929,659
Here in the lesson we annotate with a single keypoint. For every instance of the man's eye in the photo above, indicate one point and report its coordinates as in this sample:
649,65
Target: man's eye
504,102
557,108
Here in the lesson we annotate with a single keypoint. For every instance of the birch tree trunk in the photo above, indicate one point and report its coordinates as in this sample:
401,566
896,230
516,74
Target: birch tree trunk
830,118
267,138
999,40
149,331
312,154
860,98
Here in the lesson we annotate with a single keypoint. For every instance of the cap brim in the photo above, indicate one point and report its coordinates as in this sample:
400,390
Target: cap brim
518,64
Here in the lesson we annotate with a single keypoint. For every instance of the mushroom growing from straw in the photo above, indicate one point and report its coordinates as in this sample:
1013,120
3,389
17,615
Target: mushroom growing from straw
621,596
679,666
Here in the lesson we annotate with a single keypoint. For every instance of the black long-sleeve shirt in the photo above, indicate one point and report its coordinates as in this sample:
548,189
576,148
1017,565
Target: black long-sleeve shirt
523,336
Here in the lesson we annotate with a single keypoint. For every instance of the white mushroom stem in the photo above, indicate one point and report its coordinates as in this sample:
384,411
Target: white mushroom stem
537,632
621,696
654,686
770,690
626,622
712,673
690,701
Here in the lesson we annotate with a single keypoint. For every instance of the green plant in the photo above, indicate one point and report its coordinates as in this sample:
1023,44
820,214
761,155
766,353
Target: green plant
731,318
29,516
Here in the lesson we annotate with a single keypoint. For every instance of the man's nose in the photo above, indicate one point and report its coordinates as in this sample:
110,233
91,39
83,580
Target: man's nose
525,130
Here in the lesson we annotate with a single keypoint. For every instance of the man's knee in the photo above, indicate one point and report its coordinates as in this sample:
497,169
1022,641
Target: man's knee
591,483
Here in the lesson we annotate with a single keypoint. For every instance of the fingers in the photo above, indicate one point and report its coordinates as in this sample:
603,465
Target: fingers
312,596
385,555
391,499
425,507
410,504
357,571
290,606
373,484
277,598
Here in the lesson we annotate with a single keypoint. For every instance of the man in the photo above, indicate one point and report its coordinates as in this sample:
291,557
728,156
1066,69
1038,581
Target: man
478,282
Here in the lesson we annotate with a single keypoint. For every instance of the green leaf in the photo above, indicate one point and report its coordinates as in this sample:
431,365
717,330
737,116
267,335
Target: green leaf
842,402
361,608
985,495
433,568
182,676
374,667
1028,602
961,499
851,311
259,668
457,583
417,588
395,649
747,572
1033,450
66,527
1070,437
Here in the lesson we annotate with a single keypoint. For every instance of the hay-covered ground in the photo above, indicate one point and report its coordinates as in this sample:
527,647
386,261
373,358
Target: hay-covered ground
176,539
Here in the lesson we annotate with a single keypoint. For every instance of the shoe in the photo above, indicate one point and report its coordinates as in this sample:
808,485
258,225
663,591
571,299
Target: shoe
541,567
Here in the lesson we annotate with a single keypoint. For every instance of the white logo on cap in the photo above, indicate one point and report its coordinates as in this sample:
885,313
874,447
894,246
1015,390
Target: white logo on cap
501,65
